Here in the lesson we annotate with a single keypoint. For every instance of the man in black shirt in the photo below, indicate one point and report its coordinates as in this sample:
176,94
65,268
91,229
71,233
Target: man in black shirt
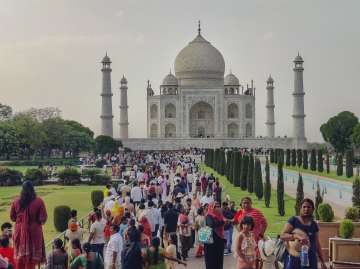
228,227
170,225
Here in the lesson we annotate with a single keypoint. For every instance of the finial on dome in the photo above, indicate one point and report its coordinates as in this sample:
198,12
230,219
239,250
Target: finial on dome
199,28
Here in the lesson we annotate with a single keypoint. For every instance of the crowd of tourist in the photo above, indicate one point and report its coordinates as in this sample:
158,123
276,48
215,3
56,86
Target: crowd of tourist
165,207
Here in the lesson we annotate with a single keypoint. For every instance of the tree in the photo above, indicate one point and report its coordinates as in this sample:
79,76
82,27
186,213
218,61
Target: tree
339,165
318,199
349,163
8,139
5,112
272,157
42,114
338,130
320,161
288,157
299,157
280,191
233,166
228,164
280,156
276,155
258,183
250,175
356,192
267,184
244,171
236,174
106,144
313,160
293,157
223,162
299,195
355,137
305,159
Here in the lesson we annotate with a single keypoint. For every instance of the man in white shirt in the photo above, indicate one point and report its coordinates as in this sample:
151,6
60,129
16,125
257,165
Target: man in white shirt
96,238
112,259
153,216
207,199
136,194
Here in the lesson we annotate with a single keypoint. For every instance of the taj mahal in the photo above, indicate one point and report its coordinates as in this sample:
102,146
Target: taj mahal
200,106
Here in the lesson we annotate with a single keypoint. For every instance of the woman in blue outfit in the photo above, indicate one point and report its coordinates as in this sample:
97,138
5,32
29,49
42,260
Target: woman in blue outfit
308,235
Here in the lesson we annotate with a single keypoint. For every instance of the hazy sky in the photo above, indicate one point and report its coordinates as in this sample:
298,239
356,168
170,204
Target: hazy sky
50,53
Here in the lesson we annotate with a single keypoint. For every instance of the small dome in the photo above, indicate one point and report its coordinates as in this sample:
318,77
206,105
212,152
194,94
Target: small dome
170,80
270,80
231,80
106,59
298,59
123,80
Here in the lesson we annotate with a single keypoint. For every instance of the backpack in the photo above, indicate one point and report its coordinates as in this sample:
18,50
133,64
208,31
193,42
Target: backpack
205,235
280,251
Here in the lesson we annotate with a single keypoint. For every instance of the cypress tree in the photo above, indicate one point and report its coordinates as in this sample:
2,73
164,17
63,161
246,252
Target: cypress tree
233,165
272,156
276,155
211,158
299,157
258,183
327,163
339,164
250,175
313,160
299,195
318,200
223,163
356,192
281,156
305,159
349,164
320,161
280,191
228,164
267,184
288,157
244,166
236,175
216,160
293,157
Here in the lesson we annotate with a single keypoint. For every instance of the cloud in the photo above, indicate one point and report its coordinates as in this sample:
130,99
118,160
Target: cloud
119,13
140,39
268,35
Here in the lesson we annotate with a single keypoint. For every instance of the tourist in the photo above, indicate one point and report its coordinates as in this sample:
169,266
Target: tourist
184,227
131,255
155,256
58,258
258,217
204,183
123,226
136,194
73,232
6,230
228,227
245,246
128,205
88,260
308,235
170,225
211,181
217,191
145,239
171,252
75,250
96,237
6,251
29,214
207,199
214,253
112,257
199,223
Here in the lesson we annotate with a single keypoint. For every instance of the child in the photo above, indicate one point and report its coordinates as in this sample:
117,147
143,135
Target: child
75,249
6,251
123,226
184,224
199,223
245,248
171,252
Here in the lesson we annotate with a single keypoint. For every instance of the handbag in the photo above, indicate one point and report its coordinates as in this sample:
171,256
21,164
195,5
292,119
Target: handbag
280,251
206,235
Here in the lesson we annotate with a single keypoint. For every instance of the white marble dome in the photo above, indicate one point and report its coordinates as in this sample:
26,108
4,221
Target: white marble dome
199,61
170,80
231,80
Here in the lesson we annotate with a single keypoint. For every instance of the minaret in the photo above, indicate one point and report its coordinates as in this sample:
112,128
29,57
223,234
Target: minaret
124,123
106,96
298,106
270,117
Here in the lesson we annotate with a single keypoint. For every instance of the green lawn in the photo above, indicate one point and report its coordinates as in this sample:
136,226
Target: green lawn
77,197
275,221
331,175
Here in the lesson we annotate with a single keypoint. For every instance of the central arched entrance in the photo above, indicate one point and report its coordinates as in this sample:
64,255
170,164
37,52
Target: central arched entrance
201,123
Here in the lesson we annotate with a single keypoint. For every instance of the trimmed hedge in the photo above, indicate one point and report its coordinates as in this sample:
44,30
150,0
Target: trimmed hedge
36,175
326,213
9,177
346,229
54,161
97,197
61,217
69,176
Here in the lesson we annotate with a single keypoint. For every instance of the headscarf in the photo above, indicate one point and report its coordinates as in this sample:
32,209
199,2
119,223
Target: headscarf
147,227
217,216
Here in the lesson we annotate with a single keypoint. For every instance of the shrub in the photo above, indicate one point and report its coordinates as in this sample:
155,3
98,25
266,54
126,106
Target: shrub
267,184
280,191
97,197
36,175
100,163
244,171
9,177
299,195
91,172
53,161
61,217
69,176
100,180
356,192
347,228
318,200
228,164
326,213
236,168
258,183
250,175
352,213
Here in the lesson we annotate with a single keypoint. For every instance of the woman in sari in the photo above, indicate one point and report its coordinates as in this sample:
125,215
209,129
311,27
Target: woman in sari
29,214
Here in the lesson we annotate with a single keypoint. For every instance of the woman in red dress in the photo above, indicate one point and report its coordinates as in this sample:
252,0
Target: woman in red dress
29,214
